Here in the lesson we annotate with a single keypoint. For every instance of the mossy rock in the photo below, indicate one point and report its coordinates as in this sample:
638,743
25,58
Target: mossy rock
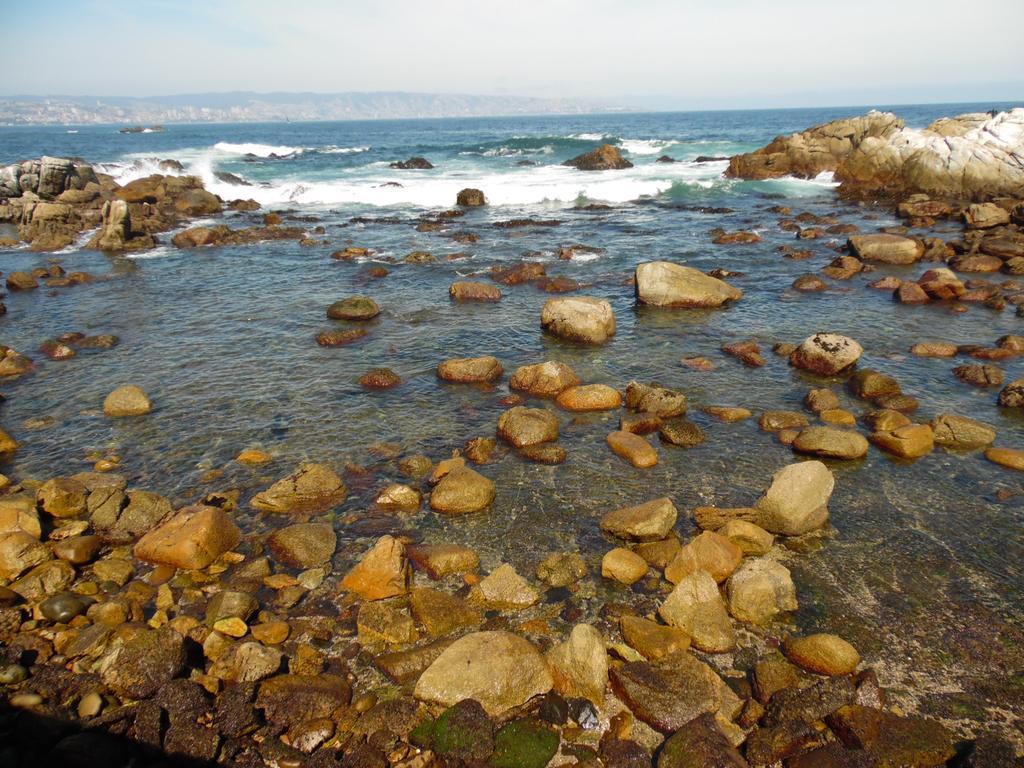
525,743
463,732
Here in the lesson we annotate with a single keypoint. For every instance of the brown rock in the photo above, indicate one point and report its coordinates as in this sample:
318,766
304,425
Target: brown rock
311,489
909,442
590,397
633,448
471,369
128,400
462,491
579,318
546,379
190,540
471,291
523,426
382,572
823,653
623,565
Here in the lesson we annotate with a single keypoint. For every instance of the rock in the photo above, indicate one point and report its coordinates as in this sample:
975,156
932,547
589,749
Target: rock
985,216
668,695
696,607
579,318
498,669
526,743
380,378
797,500
737,238
891,739
440,560
1012,395
750,538
441,613
399,497
1006,457
546,379
726,413
21,281
470,291
384,624
311,489
579,666
190,540
520,273
649,521
699,744
381,573
128,400
888,249
339,338
62,497
823,653
462,491
604,158
523,426
960,432
682,432
759,590
933,349
589,397
505,589
143,512
413,164
632,448
287,700
826,354
941,284
831,443
470,197
810,284
20,551
981,375
303,545
562,569
144,664
774,421
78,550
665,284
8,445
652,640
354,308
471,369
623,565
909,442
872,385
656,400
709,552
463,734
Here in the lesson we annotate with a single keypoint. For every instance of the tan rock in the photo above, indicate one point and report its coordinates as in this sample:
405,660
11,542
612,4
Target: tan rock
652,640
826,354
649,521
761,589
128,400
797,500
192,539
399,497
381,573
696,607
461,492
383,624
471,370
590,397
579,318
440,560
441,613
253,457
473,291
823,653
62,497
579,666
960,432
750,538
498,669
889,249
831,443
303,545
505,589
633,448
623,565
1011,458
523,426
909,442
726,413
664,284
545,379
20,551
710,552
312,488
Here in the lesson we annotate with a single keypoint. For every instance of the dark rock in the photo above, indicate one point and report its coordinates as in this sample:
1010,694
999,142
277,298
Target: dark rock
894,740
470,198
682,432
146,663
463,733
809,704
766,746
290,699
669,695
413,163
604,158
526,743
699,744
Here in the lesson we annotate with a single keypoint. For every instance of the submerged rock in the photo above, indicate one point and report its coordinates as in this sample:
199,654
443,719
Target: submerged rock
523,426
471,369
128,400
547,379
761,589
471,291
830,442
498,669
633,448
462,491
311,489
354,308
826,354
650,521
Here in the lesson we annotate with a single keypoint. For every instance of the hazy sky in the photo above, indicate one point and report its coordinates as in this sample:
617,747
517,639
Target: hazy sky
653,53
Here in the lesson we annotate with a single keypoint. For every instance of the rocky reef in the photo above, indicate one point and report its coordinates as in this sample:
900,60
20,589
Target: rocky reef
972,157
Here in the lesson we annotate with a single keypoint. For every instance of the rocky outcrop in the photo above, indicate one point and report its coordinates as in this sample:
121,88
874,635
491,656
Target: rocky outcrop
604,158
970,157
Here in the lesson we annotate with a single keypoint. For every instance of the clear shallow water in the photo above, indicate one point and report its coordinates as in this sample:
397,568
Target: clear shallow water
924,570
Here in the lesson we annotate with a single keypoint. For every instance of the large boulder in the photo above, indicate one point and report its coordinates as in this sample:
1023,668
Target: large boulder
650,521
664,284
498,669
604,158
192,539
696,607
547,379
579,665
579,318
462,491
889,249
759,590
797,500
523,426
145,664
826,354
310,489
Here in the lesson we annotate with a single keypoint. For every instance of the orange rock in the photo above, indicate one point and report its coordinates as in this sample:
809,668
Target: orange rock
383,572
633,449
192,539
590,397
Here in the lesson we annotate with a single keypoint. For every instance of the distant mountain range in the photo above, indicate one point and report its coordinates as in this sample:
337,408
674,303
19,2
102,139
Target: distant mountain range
247,106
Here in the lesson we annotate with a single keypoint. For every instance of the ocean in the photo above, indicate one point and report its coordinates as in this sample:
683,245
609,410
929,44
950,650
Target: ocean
923,572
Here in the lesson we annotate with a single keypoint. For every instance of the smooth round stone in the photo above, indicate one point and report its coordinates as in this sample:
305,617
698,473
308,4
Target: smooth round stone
78,550
823,653
26,700
1006,457
13,674
90,705
63,607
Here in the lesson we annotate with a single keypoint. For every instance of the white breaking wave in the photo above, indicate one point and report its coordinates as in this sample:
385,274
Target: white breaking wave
588,136
646,146
259,150
333,150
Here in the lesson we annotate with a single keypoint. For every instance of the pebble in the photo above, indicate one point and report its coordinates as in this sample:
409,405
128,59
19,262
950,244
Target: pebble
13,674
26,700
90,705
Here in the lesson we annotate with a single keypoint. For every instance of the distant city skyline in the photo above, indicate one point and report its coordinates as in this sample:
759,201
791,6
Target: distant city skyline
645,54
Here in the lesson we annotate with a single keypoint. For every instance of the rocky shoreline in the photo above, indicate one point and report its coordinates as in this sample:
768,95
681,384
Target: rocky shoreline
223,631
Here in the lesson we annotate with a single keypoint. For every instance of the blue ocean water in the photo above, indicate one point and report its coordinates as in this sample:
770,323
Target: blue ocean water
924,569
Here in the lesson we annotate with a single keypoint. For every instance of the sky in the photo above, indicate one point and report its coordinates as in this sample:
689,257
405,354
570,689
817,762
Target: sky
657,54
